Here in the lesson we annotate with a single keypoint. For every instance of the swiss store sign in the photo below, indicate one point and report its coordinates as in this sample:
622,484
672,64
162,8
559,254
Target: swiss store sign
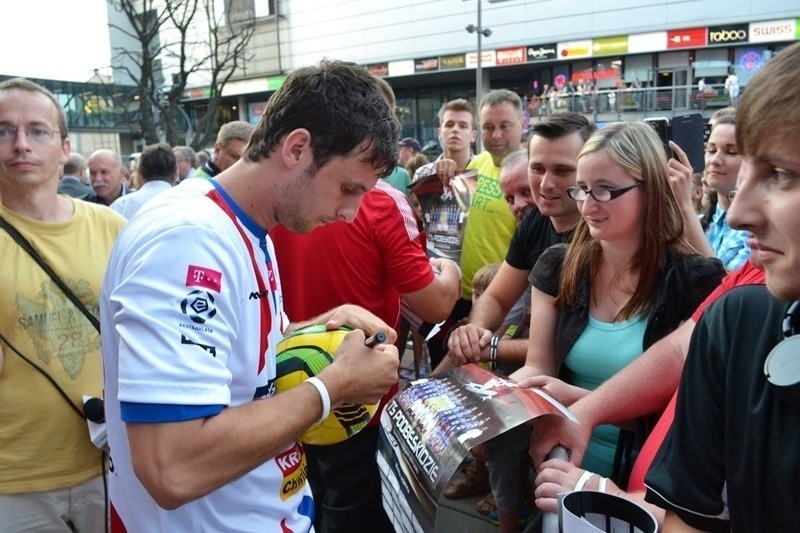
776,30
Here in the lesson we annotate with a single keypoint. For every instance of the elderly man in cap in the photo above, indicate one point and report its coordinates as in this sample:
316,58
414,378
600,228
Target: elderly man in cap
409,147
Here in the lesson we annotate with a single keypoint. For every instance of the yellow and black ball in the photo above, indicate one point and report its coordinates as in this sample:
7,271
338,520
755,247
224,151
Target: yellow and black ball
305,353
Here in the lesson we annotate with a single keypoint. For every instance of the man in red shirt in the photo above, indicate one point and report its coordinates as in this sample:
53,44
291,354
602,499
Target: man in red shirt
372,262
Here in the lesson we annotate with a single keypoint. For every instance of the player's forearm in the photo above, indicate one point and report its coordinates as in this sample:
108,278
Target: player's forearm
182,461
435,302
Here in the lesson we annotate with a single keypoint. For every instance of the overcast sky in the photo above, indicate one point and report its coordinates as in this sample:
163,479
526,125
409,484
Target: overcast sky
54,39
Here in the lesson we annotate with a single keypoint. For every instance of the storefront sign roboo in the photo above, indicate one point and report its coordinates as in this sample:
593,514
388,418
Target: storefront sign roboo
727,34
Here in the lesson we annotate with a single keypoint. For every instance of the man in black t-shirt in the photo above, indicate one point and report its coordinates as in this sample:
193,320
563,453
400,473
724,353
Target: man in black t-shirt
553,155
730,425
731,461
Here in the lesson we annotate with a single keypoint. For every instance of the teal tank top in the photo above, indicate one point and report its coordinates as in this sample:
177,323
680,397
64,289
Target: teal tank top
602,350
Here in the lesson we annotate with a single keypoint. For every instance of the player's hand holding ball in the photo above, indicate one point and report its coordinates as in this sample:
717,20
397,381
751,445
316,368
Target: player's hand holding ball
352,372
362,374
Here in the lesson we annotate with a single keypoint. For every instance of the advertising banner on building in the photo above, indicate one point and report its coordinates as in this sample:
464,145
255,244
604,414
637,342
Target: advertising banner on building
542,52
401,68
575,49
426,64
610,46
510,56
378,69
727,34
487,59
647,42
686,38
429,428
776,30
453,62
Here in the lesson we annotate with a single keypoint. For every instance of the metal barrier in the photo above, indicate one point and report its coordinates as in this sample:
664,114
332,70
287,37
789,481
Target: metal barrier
613,104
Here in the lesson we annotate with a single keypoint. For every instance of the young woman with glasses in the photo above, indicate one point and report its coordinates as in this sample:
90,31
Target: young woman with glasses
627,279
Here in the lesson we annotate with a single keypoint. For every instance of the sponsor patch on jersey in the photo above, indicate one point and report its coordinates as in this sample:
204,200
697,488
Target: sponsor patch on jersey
199,306
265,391
204,277
292,464
212,350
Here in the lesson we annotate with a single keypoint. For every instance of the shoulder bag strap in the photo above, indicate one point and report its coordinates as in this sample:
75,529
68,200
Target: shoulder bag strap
25,245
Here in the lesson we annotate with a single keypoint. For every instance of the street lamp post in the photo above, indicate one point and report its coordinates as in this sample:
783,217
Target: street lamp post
482,32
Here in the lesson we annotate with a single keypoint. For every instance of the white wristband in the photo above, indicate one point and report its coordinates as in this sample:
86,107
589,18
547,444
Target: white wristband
582,480
323,395
603,481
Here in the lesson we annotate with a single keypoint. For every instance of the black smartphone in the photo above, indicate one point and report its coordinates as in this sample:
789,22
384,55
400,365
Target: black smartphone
661,125
687,132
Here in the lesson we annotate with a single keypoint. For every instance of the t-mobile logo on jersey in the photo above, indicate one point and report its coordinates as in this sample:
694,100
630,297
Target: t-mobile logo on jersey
204,277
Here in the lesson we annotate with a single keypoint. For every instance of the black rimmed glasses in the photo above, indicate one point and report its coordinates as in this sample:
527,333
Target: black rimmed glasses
601,194
37,134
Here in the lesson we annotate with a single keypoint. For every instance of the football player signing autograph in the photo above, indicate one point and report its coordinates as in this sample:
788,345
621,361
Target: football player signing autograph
192,310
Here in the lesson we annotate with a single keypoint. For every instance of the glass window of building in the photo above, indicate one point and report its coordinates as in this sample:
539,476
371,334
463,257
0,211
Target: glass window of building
582,71
711,64
749,60
673,59
641,67
560,76
429,103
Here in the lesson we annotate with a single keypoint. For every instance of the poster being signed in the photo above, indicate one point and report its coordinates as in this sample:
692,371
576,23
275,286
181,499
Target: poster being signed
428,429
445,211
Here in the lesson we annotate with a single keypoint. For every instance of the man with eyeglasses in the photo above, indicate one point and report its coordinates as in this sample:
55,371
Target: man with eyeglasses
52,352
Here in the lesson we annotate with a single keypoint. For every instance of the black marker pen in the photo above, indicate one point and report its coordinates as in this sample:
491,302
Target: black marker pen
375,340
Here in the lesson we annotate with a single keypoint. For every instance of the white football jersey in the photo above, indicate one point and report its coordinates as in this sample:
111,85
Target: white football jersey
191,311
